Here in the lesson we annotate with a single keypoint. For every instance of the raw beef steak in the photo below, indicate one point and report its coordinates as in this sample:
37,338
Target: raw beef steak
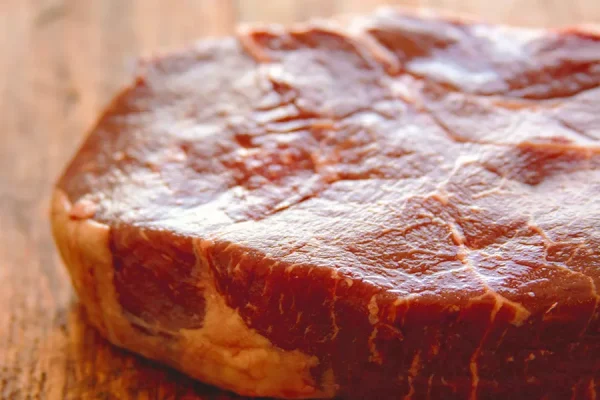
382,207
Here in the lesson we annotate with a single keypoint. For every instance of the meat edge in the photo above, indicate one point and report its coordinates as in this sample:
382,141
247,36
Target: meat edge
223,352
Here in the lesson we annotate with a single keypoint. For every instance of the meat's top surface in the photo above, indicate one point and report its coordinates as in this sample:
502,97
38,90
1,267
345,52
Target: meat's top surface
421,158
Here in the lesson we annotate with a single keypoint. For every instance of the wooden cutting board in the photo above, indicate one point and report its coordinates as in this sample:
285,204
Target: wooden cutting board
60,62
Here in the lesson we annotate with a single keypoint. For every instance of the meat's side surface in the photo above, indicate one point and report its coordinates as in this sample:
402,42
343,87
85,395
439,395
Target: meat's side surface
386,207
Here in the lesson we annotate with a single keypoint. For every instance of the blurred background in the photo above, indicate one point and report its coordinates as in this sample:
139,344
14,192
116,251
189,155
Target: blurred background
60,62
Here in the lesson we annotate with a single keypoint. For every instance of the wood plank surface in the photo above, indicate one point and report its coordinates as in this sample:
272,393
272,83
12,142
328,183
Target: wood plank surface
60,62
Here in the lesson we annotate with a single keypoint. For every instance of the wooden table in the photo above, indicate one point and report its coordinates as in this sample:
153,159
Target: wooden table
60,62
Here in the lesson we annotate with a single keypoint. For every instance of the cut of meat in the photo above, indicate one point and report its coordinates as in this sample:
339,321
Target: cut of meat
386,207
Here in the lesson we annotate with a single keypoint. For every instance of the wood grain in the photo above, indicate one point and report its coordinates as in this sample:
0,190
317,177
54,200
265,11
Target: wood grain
60,62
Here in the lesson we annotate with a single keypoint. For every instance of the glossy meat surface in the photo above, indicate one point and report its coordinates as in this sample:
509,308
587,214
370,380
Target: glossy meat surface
414,201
